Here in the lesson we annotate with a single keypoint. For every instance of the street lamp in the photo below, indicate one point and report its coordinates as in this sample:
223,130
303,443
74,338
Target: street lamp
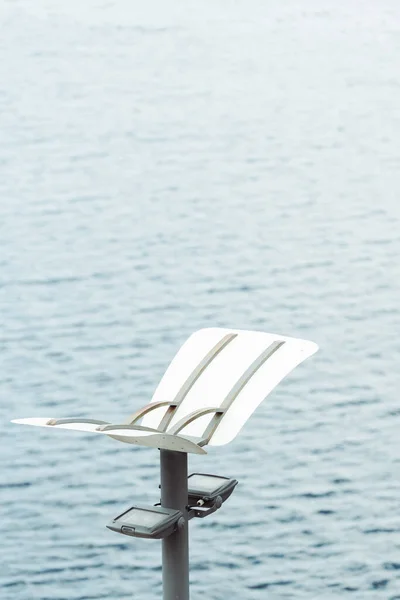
151,522
205,489
212,386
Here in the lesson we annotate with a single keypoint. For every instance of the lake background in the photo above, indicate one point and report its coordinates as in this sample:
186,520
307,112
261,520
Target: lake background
167,166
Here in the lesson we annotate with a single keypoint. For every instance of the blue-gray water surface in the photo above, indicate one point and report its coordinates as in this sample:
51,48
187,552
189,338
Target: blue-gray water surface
167,166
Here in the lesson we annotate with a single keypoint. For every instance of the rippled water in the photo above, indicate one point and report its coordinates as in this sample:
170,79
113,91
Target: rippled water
175,165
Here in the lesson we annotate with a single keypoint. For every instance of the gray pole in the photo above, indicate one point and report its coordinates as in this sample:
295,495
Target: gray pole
175,548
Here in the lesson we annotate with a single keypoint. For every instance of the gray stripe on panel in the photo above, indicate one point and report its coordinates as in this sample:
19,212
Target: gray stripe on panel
237,388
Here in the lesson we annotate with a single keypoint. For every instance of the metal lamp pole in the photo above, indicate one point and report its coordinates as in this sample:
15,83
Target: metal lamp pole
205,493
175,548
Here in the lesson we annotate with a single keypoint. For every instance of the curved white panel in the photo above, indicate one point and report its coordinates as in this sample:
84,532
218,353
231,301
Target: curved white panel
228,369
227,375
41,422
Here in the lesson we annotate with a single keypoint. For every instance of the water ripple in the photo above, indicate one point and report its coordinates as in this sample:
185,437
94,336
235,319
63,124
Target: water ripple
172,167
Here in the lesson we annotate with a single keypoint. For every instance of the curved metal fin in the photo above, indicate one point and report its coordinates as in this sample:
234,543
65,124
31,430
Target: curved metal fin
75,420
192,417
110,426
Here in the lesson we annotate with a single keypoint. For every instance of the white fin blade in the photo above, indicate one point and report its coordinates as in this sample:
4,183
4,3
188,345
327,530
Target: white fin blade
35,421
43,422
200,381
